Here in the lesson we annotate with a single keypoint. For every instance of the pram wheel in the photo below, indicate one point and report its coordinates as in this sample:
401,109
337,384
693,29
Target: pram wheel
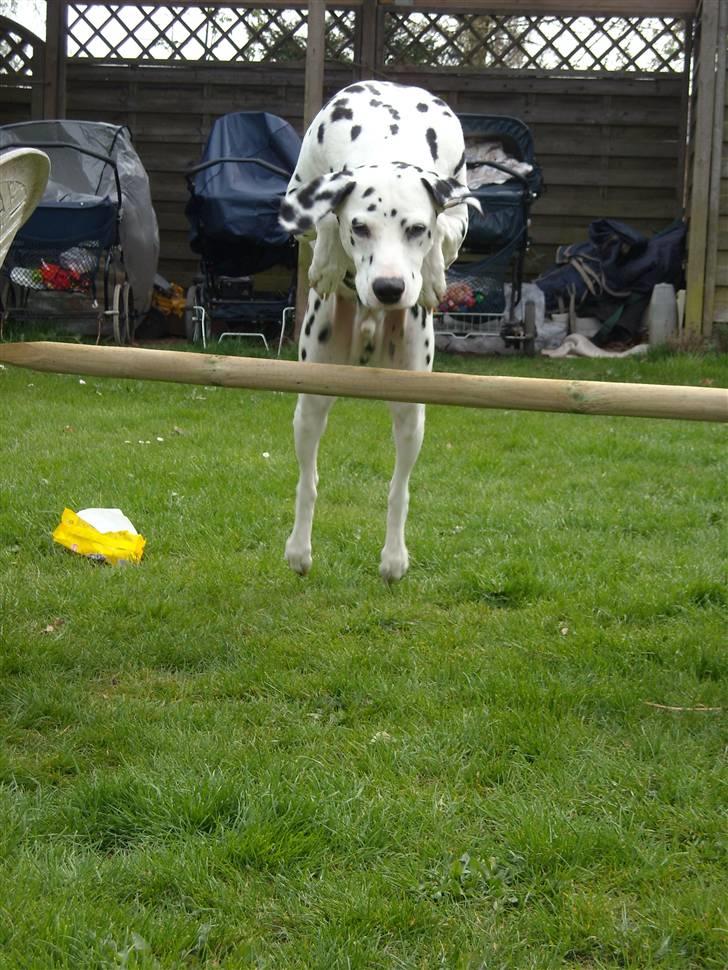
119,313
529,328
195,315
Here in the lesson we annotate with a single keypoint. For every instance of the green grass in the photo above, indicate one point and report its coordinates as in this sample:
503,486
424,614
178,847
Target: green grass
211,762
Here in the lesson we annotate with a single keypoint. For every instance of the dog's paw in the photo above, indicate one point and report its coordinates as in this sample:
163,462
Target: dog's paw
433,292
298,557
325,277
394,564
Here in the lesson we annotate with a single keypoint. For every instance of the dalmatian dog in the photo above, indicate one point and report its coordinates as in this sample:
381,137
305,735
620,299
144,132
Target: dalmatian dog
380,193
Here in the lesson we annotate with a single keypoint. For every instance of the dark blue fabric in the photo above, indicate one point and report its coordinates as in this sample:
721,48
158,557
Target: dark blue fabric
626,262
66,224
505,205
239,202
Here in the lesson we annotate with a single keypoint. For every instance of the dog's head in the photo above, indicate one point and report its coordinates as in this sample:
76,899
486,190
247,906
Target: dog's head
387,218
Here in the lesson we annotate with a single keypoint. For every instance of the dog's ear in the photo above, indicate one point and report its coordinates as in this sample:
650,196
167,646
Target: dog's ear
306,206
446,193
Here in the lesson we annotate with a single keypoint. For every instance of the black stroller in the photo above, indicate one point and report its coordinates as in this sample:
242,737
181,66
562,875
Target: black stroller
484,296
235,195
94,219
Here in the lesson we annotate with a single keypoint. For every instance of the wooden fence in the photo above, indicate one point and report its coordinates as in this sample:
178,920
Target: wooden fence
610,141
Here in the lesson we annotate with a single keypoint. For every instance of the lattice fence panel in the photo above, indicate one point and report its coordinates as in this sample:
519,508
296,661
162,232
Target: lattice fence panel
554,44
16,51
198,33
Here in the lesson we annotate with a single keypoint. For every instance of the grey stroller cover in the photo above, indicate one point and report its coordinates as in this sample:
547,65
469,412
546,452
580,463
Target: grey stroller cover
85,176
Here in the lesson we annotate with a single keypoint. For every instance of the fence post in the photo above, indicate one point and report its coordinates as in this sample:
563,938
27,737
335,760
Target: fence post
312,100
54,60
700,176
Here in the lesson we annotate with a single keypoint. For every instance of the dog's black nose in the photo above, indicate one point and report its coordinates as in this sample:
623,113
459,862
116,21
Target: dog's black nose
388,289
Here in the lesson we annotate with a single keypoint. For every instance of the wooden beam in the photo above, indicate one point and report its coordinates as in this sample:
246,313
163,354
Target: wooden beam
368,24
54,60
312,100
704,106
635,8
335,380
714,202
571,8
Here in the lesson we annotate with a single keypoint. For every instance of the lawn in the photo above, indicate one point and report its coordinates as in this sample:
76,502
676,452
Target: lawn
512,759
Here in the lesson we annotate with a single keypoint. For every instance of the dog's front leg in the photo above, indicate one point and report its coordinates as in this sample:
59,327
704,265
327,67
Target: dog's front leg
309,424
329,263
408,423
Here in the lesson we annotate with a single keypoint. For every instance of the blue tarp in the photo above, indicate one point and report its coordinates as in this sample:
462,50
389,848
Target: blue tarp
237,202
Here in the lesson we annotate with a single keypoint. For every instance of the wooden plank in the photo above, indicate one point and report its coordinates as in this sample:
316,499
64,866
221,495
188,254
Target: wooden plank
577,8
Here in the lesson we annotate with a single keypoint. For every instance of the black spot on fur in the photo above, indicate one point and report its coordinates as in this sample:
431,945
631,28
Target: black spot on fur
355,132
431,136
324,334
372,207
355,87
304,223
297,177
393,112
459,164
439,101
394,129
309,324
316,305
371,258
303,354
375,104
374,90
305,196
427,342
367,192
394,212
342,113
351,240
428,359
287,211
429,233
321,130
422,107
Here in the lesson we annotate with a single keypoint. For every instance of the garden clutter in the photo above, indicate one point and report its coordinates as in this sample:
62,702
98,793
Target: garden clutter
611,277
103,535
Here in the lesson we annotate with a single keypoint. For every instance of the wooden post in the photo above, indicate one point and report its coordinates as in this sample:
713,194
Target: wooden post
464,390
705,92
368,37
54,61
312,100
714,201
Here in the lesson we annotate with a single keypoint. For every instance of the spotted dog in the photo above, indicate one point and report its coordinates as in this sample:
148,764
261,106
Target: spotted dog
379,190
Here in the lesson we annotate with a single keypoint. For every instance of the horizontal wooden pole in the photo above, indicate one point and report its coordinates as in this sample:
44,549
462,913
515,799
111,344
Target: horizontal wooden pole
513,393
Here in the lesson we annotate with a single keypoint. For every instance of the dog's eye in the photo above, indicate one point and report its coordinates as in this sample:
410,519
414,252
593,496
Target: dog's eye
415,231
360,230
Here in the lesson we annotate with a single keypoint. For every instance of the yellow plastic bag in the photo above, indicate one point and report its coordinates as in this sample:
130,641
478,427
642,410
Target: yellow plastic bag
124,545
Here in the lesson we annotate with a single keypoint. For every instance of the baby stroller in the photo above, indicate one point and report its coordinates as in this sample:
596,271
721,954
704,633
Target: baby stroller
484,296
95,217
235,194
